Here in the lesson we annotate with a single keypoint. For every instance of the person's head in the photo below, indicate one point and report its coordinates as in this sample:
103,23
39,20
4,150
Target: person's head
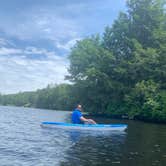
79,107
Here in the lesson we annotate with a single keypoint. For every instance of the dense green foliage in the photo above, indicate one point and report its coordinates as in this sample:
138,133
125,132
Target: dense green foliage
122,72
53,97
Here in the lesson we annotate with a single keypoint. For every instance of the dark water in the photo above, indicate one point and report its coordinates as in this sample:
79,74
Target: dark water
24,143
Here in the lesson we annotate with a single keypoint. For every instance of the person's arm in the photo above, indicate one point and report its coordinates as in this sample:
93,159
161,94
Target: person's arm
90,121
83,119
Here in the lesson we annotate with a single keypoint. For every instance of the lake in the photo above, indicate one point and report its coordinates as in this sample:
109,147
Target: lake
24,143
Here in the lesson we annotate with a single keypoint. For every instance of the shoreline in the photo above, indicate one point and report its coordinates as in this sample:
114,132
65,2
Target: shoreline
120,117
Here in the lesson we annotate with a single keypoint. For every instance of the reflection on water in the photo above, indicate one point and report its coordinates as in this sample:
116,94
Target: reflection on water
94,148
75,136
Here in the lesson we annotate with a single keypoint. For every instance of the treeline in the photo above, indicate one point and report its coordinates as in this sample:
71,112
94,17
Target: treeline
121,72
56,97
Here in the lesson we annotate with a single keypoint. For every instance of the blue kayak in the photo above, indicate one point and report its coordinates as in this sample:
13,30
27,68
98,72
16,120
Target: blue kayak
96,127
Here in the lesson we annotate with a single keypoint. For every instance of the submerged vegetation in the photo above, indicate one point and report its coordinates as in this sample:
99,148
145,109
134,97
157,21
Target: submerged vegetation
122,72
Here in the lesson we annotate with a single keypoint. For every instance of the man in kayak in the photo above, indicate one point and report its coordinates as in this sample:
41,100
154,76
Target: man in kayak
78,118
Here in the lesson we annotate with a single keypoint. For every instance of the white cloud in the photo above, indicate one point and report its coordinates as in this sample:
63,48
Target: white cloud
51,25
41,51
40,24
19,73
28,51
9,51
67,46
47,23
56,20
5,42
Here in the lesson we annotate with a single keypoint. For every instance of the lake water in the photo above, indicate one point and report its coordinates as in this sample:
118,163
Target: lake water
24,143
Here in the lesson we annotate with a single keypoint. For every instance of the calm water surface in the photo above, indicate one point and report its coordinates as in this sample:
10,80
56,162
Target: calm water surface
24,143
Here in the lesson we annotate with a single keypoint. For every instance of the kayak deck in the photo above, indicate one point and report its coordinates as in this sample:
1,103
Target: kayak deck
101,127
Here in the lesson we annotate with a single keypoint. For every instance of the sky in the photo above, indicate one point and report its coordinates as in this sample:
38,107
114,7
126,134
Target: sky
36,37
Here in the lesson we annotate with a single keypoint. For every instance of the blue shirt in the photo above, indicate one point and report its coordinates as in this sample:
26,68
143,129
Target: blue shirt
76,116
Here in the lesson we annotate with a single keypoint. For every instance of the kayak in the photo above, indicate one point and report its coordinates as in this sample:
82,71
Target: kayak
85,127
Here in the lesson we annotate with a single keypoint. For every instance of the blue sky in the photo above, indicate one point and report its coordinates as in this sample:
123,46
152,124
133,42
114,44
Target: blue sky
36,37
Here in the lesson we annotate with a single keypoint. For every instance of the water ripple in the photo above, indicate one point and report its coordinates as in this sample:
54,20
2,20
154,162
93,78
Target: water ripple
24,143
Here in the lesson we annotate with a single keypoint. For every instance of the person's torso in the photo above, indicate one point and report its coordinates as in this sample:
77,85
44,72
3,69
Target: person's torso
76,116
